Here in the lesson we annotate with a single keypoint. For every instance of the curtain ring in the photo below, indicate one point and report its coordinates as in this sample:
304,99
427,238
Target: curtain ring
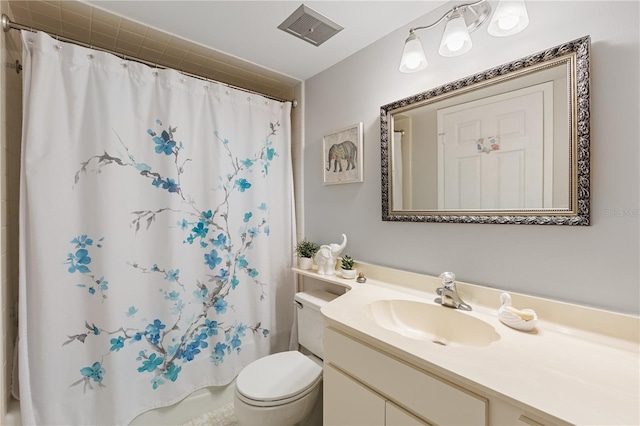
57,46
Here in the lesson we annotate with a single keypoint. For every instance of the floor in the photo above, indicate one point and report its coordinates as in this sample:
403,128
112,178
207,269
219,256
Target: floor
223,416
226,416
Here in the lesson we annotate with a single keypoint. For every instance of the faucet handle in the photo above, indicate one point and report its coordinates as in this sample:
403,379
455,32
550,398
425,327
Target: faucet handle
448,279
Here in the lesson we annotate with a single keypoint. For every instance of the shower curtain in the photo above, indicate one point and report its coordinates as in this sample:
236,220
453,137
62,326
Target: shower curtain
155,234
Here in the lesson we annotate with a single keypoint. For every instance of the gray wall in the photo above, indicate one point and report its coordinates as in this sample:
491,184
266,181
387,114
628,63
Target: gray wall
596,265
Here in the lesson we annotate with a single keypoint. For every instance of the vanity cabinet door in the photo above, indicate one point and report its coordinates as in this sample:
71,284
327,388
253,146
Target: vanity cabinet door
396,416
348,403
422,393
504,413
525,421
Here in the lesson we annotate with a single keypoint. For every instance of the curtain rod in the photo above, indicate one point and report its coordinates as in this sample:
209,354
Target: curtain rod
7,25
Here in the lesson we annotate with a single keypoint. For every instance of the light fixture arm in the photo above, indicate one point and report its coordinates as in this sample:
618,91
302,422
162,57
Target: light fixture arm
446,15
509,18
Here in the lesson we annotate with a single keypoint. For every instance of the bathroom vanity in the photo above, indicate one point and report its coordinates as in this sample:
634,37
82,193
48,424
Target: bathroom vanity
394,357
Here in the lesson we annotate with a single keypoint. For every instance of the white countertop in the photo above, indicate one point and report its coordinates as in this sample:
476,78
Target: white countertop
575,376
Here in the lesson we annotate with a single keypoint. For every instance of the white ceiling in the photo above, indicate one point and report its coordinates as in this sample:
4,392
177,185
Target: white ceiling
249,29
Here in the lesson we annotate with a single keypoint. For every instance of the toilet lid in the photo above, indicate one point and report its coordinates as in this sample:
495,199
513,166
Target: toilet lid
278,376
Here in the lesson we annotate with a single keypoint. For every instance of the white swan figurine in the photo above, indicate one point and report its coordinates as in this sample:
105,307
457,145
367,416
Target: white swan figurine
524,319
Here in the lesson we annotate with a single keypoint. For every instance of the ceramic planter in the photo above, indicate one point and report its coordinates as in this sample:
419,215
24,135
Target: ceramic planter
305,263
349,273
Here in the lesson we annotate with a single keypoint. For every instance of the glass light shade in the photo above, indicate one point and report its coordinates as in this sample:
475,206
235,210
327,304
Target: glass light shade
509,18
456,39
413,57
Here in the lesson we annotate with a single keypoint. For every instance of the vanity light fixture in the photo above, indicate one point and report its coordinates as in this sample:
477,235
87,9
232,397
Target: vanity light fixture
456,39
509,18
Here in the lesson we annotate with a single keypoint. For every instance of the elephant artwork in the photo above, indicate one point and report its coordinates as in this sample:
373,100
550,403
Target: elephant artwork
343,156
327,255
342,151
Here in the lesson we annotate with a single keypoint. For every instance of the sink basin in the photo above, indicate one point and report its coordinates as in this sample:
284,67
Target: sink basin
435,323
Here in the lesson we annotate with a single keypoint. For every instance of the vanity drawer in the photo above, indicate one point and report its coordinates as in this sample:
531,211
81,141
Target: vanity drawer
433,399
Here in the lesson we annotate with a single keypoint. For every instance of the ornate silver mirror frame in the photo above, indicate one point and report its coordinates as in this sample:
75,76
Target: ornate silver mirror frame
576,54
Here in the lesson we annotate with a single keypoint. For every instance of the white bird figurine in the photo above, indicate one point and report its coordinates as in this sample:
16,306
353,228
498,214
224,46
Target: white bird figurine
524,319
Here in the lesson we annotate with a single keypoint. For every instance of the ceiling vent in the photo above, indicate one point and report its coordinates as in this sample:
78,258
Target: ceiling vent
310,26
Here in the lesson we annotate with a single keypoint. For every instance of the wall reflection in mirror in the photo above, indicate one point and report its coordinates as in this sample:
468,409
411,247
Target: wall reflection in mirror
509,145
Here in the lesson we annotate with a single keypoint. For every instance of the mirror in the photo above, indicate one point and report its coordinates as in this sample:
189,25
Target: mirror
507,145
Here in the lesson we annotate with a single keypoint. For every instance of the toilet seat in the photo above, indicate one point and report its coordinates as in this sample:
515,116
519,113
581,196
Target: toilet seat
278,379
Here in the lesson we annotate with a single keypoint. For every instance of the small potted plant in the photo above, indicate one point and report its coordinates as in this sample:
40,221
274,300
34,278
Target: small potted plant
347,267
305,250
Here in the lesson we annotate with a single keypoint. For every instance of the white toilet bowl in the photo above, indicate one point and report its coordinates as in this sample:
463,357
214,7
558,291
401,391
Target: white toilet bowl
278,390
283,389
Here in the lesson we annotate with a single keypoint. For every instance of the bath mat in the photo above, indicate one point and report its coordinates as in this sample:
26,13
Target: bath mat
223,416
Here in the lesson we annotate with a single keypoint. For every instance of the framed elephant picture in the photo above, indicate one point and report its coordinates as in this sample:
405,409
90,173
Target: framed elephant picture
342,160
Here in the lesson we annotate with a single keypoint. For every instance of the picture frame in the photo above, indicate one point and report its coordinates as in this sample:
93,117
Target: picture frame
342,156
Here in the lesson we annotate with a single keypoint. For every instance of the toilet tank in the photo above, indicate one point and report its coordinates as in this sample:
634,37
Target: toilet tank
310,326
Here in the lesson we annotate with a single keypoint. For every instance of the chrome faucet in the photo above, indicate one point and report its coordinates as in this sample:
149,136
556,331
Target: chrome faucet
449,294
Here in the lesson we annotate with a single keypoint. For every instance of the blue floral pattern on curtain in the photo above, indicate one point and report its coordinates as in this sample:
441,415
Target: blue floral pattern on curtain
170,256
167,349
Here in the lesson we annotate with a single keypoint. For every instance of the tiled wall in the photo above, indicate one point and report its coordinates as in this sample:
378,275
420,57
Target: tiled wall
99,28
10,135
297,156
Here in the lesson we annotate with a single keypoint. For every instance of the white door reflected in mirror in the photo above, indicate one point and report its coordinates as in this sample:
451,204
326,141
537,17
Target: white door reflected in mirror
513,131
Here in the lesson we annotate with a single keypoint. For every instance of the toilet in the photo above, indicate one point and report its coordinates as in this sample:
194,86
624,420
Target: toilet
282,389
